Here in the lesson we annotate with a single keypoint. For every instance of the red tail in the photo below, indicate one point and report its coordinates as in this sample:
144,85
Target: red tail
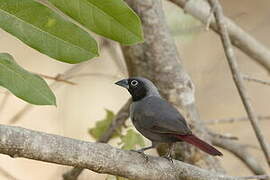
191,139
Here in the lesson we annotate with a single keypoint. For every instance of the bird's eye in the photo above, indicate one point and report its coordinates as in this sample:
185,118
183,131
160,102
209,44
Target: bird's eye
134,83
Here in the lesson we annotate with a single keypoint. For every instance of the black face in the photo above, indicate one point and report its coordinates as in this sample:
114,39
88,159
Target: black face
135,87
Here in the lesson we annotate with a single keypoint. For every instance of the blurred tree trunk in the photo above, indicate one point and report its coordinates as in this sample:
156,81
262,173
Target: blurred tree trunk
157,59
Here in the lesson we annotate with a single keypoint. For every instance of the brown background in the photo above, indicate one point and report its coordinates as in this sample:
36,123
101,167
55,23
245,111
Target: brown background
81,105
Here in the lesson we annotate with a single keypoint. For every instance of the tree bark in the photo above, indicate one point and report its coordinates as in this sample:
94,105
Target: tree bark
98,157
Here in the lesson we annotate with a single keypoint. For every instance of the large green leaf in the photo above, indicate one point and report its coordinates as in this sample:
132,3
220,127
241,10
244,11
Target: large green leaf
131,140
102,125
46,31
24,84
110,18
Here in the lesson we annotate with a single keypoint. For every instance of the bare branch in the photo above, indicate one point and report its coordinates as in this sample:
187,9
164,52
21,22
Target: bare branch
257,177
223,136
248,78
238,79
118,121
242,40
234,119
239,151
98,157
56,78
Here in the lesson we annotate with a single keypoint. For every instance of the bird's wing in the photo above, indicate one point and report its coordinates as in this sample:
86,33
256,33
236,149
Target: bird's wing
157,115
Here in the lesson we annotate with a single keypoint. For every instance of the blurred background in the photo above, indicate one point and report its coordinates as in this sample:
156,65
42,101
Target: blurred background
80,106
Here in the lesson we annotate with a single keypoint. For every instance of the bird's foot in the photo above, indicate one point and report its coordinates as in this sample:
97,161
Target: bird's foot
140,151
168,157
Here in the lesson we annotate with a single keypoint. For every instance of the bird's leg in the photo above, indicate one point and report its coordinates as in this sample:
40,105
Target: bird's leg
168,155
144,149
141,151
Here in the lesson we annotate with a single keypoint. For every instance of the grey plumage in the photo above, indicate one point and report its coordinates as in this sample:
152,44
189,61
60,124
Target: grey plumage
156,119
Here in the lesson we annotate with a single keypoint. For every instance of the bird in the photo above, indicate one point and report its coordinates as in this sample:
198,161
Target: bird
157,119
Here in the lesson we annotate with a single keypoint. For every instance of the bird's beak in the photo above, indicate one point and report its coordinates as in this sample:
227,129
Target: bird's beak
123,83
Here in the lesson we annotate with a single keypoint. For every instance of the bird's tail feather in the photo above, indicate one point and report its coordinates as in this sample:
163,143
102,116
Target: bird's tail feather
191,139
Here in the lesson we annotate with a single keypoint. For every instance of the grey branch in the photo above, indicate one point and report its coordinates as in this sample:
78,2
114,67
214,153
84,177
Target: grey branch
118,121
234,119
248,78
239,151
257,177
98,157
238,79
241,39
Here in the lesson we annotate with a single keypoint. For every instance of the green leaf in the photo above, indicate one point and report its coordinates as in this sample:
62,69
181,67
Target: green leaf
24,84
131,140
110,18
121,178
111,177
102,125
46,31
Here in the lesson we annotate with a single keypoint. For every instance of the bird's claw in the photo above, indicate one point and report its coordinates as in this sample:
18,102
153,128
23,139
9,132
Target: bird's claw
168,157
142,153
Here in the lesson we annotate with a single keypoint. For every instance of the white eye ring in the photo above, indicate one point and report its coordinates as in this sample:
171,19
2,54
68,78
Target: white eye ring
134,83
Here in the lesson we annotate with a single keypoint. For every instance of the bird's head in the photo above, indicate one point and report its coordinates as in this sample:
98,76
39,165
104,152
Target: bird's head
139,87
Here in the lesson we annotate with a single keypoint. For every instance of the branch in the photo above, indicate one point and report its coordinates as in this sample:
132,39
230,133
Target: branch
248,78
98,157
238,79
250,46
56,78
118,121
239,151
257,177
234,119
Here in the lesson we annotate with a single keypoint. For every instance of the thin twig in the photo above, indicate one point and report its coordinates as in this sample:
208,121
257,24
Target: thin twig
234,119
224,136
240,151
119,120
252,79
57,78
240,38
238,79
257,177
209,19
